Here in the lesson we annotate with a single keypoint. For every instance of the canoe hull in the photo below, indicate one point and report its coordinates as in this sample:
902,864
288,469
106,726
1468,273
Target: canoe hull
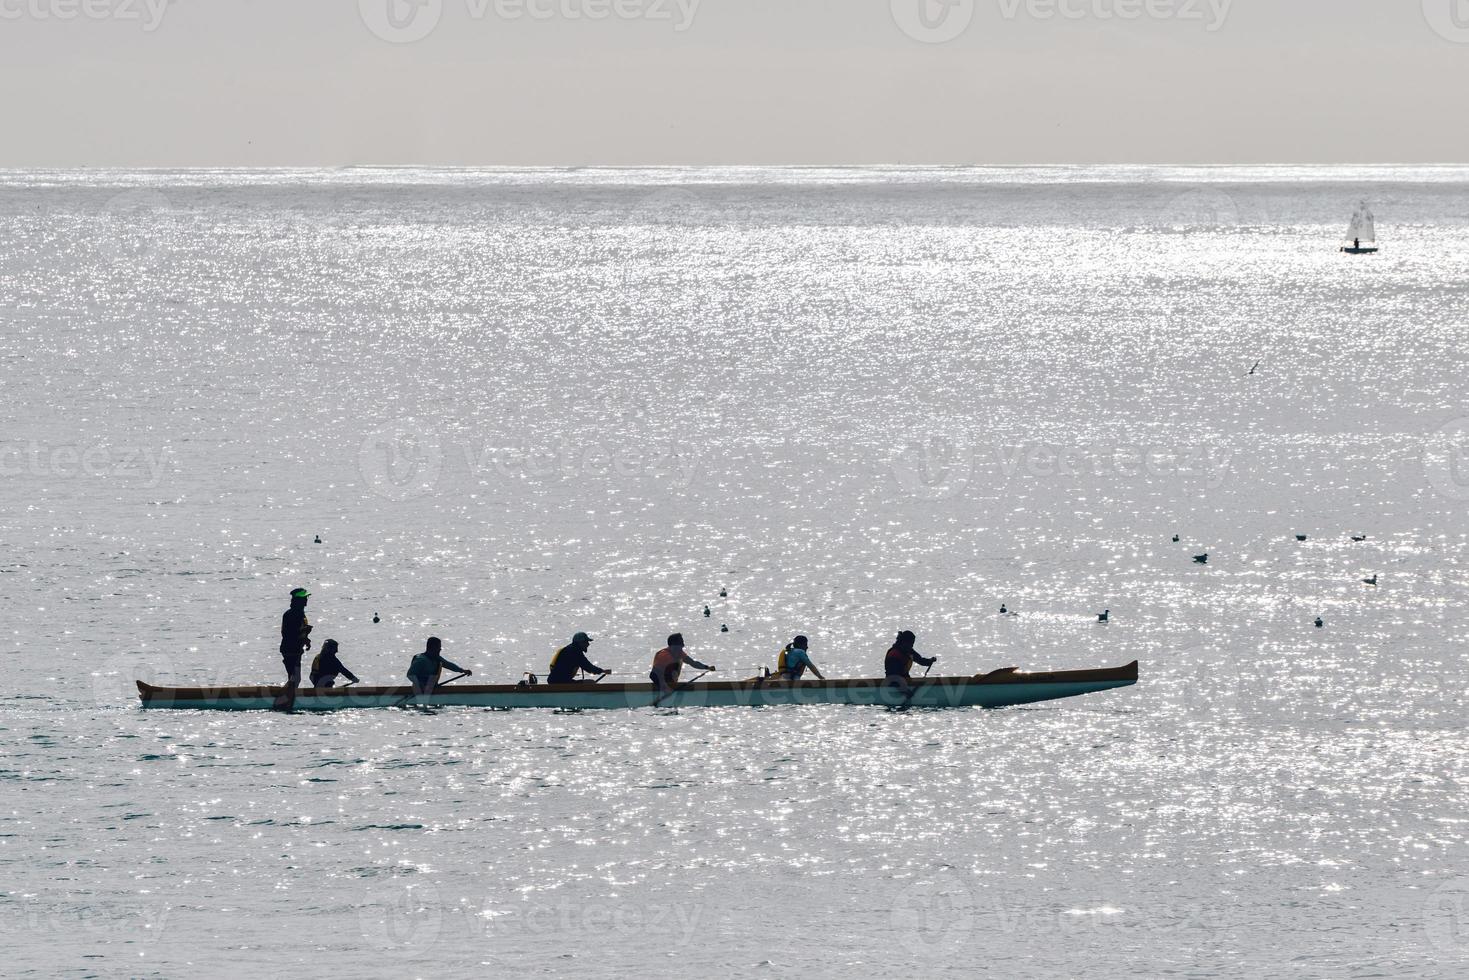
989,691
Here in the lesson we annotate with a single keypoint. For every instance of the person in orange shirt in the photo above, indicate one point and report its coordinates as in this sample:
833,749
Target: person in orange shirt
668,664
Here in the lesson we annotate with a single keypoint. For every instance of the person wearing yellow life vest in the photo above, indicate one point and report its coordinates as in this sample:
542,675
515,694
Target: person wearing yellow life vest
326,667
668,663
795,660
572,658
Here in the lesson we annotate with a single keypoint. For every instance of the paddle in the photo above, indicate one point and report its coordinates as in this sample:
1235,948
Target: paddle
676,688
914,688
409,696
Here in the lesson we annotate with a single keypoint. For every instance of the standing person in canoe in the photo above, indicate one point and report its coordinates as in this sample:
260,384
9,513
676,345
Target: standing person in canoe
326,667
566,662
295,638
424,670
795,660
898,664
668,664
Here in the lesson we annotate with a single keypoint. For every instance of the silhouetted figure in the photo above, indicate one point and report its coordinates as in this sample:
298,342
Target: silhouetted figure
425,668
327,667
566,662
668,664
897,665
295,637
1319,623
375,619
1104,616
1370,581
706,612
1202,559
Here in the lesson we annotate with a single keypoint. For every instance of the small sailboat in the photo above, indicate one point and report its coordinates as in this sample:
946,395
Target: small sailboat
1361,233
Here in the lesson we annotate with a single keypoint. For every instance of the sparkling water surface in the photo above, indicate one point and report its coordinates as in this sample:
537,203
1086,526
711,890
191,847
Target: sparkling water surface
515,404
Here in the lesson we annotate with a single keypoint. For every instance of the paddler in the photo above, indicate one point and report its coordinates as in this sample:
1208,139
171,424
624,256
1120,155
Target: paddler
898,664
424,670
295,637
327,667
795,660
668,663
571,659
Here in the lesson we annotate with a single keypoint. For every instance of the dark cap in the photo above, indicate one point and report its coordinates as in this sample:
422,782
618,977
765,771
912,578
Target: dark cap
675,639
581,638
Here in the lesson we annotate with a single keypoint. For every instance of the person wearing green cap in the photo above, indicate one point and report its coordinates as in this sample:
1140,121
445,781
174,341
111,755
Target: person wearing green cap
566,662
295,637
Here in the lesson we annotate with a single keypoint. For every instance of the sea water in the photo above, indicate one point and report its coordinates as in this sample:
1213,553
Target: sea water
518,404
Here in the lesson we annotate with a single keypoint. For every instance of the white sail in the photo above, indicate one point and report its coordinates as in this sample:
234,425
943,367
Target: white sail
1363,228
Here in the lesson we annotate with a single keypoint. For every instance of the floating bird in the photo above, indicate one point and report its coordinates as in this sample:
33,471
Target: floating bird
723,628
375,619
706,612
1102,617
1202,559
1319,623
1359,537
723,593
1370,581
318,540
1175,539
1252,370
1300,537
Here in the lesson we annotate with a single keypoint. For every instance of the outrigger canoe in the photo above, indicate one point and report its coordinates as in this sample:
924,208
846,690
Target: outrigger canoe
996,689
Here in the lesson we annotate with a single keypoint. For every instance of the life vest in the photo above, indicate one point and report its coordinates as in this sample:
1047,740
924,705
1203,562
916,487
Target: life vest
666,658
781,665
898,663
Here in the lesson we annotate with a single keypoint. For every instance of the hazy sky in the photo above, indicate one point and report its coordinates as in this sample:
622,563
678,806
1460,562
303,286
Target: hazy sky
331,82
